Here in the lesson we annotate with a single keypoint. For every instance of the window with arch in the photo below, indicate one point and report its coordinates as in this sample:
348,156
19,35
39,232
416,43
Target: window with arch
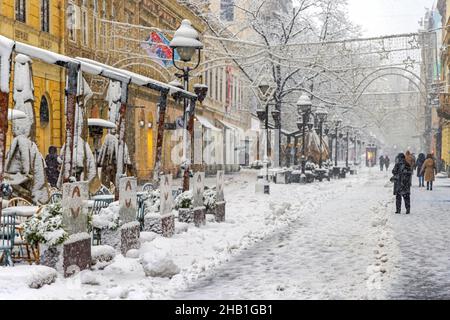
21,11
45,15
44,112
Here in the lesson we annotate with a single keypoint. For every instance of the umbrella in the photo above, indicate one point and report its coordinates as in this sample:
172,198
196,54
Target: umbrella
16,114
95,122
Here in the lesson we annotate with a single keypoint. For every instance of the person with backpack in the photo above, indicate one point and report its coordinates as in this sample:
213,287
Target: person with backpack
402,183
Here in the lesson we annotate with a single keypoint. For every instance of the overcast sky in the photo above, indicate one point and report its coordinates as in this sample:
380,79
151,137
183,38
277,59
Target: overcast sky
385,17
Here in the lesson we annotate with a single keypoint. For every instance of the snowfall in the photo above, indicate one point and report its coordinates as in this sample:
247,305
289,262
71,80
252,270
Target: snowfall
329,240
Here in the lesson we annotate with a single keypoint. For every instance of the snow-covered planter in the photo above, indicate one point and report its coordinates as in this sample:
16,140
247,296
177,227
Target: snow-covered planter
210,201
102,254
184,205
106,223
46,228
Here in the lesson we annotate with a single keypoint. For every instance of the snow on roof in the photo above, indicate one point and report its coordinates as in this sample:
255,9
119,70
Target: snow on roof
101,123
205,122
137,79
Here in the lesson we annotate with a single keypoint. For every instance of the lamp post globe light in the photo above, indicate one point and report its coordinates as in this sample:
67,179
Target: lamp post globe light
322,115
304,108
186,43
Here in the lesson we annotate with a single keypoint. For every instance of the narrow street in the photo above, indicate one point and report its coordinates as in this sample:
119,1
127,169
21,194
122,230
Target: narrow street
352,247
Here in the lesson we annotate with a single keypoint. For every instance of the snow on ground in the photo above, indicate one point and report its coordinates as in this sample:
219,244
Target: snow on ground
337,250
423,265
331,240
250,218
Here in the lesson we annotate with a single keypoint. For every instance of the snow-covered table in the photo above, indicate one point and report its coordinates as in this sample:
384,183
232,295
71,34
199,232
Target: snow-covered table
21,211
104,197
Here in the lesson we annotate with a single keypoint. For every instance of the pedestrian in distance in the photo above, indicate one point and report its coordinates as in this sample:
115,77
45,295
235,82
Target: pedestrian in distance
387,162
53,163
429,171
402,173
381,163
420,160
410,159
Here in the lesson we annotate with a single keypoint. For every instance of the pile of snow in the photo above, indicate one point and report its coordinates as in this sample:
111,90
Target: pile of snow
108,218
158,264
124,266
148,236
102,254
34,277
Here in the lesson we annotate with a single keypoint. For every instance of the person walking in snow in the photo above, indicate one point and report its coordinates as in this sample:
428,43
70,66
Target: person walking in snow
419,164
381,163
387,162
402,183
53,163
429,170
410,159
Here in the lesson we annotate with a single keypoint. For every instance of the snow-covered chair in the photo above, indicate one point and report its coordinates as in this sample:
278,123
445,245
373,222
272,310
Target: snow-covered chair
56,197
140,215
148,187
7,236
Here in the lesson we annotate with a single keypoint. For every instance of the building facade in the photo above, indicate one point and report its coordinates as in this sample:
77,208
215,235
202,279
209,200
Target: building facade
444,102
40,23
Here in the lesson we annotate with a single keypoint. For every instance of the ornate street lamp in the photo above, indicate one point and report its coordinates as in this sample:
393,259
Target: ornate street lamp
186,43
322,115
304,106
337,125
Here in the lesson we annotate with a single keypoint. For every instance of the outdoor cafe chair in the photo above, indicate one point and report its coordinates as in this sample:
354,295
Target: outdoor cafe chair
56,197
148,187
7,236
99,204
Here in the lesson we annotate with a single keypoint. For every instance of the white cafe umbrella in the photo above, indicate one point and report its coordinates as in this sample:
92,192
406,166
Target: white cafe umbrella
101,123
16,114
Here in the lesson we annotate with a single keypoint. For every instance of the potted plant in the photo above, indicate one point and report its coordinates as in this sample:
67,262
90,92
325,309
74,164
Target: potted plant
184,205
46,230
210,200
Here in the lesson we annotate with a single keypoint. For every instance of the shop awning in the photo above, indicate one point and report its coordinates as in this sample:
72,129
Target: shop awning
232,127
206,123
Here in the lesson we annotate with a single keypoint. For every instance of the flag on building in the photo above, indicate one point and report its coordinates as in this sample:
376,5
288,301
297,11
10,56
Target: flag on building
157,47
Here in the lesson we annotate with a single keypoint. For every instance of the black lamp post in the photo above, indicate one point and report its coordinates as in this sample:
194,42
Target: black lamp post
263,115
304,105
321,114
186,43
337,124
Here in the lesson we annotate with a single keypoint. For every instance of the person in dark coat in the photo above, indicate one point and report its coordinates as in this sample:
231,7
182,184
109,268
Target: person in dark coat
387,162
381,163
53,162
402,183
420,174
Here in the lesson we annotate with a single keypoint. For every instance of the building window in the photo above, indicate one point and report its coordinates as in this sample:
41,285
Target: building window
71,21
227,10
44,112
84,26
45,15
21,11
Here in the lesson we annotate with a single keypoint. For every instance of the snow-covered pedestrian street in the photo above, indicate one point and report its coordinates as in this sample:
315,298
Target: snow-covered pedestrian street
330,240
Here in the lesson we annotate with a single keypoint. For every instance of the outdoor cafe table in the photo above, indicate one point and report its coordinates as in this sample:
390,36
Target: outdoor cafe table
21,211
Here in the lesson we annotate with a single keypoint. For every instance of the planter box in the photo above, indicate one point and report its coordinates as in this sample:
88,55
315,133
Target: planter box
186,215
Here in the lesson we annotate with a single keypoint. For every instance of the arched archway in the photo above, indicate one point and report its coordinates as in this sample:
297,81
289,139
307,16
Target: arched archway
45,123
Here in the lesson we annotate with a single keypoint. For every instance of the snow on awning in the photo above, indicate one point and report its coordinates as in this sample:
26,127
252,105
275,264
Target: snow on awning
101,123
205,122
16,114
236,129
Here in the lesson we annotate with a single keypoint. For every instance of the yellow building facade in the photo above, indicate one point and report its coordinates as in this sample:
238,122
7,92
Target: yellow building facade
444,108
40,23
